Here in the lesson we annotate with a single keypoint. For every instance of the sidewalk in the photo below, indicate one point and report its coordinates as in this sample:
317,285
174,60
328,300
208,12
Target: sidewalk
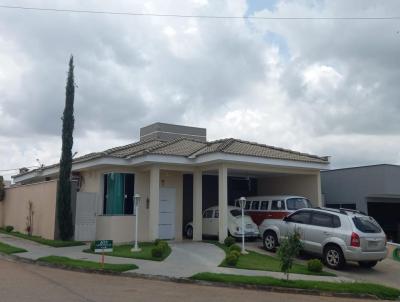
187,258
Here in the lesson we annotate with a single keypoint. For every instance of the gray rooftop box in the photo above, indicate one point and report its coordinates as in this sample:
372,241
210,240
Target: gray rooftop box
167,132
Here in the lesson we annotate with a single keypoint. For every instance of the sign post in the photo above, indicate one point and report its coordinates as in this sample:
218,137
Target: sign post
103,246
242,203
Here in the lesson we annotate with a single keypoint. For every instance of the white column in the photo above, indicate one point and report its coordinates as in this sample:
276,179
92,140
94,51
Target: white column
223,202
154,206
197,205
319,193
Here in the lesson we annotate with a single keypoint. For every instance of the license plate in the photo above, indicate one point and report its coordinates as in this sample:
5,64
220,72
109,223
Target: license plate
372,243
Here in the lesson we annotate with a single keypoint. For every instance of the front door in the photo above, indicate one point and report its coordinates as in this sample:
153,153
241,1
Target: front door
167,213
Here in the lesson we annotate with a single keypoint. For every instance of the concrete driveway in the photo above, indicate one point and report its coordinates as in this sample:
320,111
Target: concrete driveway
386,272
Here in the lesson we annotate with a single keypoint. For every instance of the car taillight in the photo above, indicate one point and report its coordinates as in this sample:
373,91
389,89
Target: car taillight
355,240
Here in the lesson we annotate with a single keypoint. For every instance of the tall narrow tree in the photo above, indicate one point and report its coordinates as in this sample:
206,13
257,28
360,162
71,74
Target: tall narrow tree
64,212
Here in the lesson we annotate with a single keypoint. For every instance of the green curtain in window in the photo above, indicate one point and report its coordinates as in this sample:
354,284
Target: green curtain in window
115,194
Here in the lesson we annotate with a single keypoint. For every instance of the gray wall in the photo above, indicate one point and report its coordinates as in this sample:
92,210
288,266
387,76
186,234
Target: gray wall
353,185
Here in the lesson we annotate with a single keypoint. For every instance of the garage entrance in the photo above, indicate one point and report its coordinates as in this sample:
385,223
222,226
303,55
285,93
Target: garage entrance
387,214
249,183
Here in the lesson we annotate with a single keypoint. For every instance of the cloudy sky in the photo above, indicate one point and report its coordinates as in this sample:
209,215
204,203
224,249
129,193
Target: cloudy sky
327,87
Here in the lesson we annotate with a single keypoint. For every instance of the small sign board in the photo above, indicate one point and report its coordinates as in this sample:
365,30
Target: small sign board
103,246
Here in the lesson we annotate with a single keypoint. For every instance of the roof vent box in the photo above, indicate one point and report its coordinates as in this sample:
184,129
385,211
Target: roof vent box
168,132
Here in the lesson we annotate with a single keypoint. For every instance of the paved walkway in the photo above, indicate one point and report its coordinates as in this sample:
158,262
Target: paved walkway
186,259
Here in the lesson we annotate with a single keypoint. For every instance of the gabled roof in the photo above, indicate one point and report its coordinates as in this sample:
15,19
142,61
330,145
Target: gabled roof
190,148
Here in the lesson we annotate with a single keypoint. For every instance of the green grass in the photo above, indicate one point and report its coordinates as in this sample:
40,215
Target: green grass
49,242
382,292
257,261
83,264
125,252
396,254
9,249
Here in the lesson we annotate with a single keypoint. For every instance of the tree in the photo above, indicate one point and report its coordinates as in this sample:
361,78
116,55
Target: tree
2,191
288,250
64,212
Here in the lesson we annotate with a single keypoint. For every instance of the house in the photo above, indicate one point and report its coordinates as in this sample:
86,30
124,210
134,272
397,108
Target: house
374,190
176,171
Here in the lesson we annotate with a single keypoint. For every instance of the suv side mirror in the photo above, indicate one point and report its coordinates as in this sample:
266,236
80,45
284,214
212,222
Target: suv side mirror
286,219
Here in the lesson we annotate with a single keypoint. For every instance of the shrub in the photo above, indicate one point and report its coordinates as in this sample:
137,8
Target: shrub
163,245
231,259
314,265
9,228
157,251
229,241
234,247
157,241
236,253
92,246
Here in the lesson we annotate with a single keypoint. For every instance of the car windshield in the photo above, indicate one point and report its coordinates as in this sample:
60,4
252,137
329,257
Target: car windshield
297,203
236,212
366,224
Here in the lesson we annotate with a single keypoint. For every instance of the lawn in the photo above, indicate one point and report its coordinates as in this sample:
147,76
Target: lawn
145,254
257,261
382,292
74,263
53,243
9,249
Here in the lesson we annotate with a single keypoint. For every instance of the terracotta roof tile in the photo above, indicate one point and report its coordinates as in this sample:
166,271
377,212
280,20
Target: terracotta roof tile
192,148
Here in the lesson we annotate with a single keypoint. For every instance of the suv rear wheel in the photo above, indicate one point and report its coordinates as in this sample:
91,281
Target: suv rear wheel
270,241
333,257
367,264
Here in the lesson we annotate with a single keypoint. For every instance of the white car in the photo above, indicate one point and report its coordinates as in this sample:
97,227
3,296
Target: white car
210,223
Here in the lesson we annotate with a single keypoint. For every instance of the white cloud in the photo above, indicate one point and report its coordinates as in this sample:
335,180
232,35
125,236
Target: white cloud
331,89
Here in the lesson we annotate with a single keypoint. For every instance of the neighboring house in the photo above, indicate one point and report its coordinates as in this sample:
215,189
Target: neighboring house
177,172
374,190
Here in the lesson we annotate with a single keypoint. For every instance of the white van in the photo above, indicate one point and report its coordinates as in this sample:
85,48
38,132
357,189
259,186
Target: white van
273,206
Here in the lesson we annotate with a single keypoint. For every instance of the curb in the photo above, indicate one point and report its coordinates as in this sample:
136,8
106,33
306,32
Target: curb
182,280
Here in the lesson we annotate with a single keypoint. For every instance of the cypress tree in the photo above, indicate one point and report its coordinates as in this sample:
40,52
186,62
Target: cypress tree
64,212
2,191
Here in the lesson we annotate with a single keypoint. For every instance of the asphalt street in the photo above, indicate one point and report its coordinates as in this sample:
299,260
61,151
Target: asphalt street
31,283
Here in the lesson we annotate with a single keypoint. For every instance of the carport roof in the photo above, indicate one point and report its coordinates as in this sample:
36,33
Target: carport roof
190,148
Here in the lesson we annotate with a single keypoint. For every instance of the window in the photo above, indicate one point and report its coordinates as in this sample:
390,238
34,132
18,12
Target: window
300,217
336,222
216,214
236,213
208,214
366,224
323,220
248,203
277,205
264,205
255,204
119,190
297,204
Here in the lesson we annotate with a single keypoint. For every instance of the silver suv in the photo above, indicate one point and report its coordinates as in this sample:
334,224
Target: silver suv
336,235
